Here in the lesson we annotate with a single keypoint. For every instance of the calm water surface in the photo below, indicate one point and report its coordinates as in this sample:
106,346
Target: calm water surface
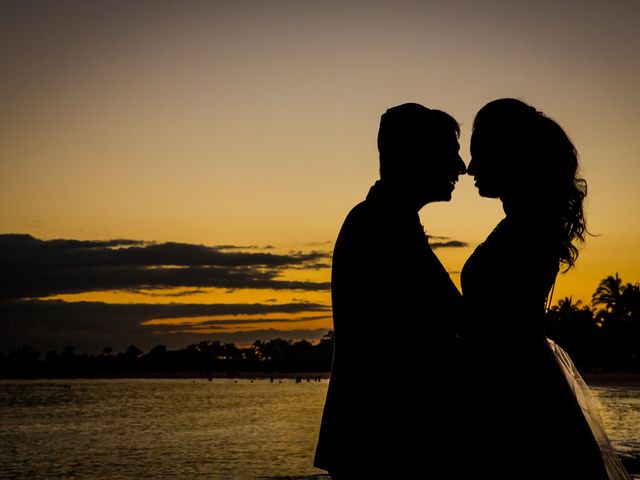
167,428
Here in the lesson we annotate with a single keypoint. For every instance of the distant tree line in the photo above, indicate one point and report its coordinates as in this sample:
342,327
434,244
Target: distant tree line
603,336
206,358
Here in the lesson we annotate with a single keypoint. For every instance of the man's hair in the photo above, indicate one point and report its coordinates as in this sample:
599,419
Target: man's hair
407,128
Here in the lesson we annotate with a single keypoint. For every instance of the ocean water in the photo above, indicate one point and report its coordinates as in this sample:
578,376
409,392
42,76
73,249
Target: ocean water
186,428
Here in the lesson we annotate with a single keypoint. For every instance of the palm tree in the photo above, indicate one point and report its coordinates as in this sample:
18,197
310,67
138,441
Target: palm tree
609,294
133,351
631,301
566,305
620,301
619,322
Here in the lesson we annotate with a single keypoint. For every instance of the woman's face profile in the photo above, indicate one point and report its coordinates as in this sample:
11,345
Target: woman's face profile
488,165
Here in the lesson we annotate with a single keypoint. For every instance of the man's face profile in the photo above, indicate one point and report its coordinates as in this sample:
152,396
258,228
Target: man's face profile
435,167
419,152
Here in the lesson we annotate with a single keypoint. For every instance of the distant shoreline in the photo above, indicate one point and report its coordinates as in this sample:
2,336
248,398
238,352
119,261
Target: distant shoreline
612,379
181,375
605,379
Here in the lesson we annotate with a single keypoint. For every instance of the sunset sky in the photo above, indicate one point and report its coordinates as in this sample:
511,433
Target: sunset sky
194,160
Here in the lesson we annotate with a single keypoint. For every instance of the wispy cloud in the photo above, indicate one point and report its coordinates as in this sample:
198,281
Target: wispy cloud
324,243
97,316
37,268
447,244
230,322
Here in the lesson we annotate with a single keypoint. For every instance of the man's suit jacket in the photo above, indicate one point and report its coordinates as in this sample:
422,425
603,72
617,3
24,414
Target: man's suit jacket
394,310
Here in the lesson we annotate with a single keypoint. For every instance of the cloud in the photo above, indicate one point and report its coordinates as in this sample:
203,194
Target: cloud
244,247
21,248
126,317
312,266
165,293
223,323
447,244
437,237
36,268
90,326
319,244
39,282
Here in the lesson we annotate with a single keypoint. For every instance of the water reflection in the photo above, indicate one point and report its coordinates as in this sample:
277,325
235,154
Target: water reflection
621,416
168,428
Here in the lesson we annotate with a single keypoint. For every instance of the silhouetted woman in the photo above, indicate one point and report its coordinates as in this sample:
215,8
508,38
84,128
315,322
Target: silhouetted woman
530,413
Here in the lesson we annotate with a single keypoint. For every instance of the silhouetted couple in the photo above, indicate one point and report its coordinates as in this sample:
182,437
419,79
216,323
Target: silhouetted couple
429,383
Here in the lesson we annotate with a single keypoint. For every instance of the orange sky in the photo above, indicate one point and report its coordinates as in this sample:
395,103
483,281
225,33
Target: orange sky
254,124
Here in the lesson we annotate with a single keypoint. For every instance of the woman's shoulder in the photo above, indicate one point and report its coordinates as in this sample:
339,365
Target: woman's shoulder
514,245
521,232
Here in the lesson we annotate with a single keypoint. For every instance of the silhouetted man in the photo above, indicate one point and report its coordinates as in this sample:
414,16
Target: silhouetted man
394,309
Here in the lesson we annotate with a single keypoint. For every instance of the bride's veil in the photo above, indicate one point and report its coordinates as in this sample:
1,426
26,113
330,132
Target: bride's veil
590,409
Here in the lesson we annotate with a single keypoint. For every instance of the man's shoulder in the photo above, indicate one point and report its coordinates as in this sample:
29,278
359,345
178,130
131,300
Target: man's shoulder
357,222
374,212
361,212
375,224
366,217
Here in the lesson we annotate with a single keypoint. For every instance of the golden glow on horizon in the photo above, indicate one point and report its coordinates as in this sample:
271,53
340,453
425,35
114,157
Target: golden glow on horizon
206,295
